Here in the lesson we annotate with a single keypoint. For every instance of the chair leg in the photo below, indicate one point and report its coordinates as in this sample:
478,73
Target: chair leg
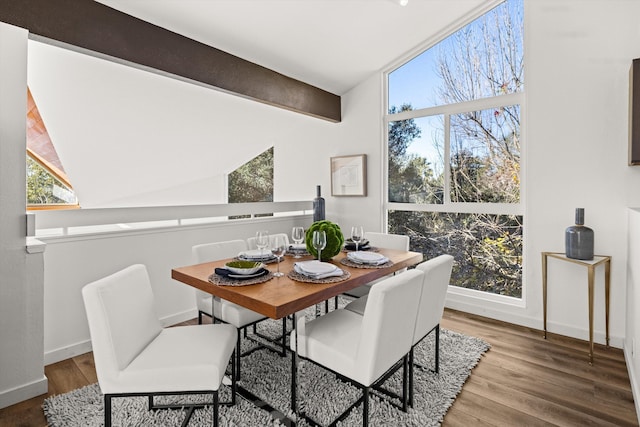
234,386
284,337
405,365
335,302
411,371
237,377
199,317
107,410
365,407
437,337
215,409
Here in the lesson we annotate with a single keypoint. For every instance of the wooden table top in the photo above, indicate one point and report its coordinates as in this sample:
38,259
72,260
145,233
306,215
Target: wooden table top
282,296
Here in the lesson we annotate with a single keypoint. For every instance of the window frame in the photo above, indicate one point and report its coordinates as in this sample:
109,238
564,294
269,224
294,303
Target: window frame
519,208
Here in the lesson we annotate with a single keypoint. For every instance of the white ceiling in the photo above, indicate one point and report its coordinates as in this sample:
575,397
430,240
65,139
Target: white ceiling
331,44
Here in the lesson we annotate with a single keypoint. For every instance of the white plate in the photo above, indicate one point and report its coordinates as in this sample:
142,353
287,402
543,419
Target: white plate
365,256
256,254
245,276
316,267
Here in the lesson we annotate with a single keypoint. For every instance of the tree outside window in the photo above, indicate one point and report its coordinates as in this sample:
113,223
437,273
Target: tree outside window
454,160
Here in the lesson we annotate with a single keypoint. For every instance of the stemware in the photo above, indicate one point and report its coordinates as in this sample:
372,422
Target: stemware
278,248
319,241
357,235
262,240
297,234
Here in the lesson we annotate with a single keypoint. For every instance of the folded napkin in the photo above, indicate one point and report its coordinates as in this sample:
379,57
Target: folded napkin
317,270
369,258
298,247
256,254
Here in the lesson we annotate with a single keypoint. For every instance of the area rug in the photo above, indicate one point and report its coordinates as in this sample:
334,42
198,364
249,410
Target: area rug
268,376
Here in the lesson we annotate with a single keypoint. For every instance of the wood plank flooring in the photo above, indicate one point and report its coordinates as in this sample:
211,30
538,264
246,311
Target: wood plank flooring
523,380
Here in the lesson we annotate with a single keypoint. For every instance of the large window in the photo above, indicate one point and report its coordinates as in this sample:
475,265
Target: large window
454,119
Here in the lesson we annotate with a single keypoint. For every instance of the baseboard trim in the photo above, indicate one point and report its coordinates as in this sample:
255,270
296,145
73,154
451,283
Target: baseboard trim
24,392
599,337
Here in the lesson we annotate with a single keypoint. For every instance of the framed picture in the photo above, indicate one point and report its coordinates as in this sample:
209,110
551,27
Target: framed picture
349,175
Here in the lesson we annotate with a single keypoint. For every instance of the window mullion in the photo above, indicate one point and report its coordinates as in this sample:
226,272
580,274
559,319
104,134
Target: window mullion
447,159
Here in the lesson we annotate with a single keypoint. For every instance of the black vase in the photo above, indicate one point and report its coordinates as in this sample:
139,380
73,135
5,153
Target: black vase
578,239
318,206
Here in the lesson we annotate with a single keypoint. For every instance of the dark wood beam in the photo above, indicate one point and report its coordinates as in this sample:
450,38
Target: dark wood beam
90,25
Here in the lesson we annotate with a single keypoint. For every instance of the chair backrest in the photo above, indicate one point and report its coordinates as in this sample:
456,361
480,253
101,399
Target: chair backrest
217,250
122,319
435,282
389,241
251,241
387,325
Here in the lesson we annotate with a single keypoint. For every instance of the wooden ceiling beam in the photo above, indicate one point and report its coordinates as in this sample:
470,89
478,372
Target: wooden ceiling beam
92,26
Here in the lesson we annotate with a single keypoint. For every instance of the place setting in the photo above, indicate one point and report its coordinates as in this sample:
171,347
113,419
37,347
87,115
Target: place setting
250,266
298,248
241,273
361,259
262,254
357,242
316,271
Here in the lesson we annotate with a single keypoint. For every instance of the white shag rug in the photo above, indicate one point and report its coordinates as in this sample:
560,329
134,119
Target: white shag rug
268,376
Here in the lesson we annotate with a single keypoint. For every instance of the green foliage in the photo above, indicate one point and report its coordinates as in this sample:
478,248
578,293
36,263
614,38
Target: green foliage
335,239
487,248
41,184
253,181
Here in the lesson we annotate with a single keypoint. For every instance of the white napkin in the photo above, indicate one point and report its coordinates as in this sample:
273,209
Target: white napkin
370,258
317,269
256,254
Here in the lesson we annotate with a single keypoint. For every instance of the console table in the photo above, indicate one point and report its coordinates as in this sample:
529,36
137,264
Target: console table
591,267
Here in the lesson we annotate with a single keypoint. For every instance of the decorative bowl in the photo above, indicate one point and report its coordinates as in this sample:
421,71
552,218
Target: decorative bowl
244,267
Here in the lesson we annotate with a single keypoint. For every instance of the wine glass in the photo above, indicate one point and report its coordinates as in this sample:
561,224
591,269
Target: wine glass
356,235
278,248
297,234
319,242
262,240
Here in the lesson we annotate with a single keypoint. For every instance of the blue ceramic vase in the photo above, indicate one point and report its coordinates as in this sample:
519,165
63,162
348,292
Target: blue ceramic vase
578,239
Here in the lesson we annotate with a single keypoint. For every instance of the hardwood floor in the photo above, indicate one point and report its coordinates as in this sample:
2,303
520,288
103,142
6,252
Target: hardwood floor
523,380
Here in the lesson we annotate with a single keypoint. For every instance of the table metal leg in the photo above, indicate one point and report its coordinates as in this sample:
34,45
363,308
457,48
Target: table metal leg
294,368
591,285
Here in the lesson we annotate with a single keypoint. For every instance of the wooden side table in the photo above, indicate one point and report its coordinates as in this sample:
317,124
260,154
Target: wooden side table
591,267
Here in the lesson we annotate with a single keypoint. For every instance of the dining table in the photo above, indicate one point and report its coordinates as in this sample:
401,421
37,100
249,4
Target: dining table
283,296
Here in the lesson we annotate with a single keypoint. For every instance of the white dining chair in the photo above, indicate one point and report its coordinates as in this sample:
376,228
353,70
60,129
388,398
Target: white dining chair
380,240
223,310
251,241
135,356
437,274
362,349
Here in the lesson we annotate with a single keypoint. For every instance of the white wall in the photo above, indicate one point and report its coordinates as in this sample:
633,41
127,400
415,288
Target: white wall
577,84
72,262
21,368
128,137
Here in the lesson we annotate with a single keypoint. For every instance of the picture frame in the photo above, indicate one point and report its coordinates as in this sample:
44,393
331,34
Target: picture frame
349,175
